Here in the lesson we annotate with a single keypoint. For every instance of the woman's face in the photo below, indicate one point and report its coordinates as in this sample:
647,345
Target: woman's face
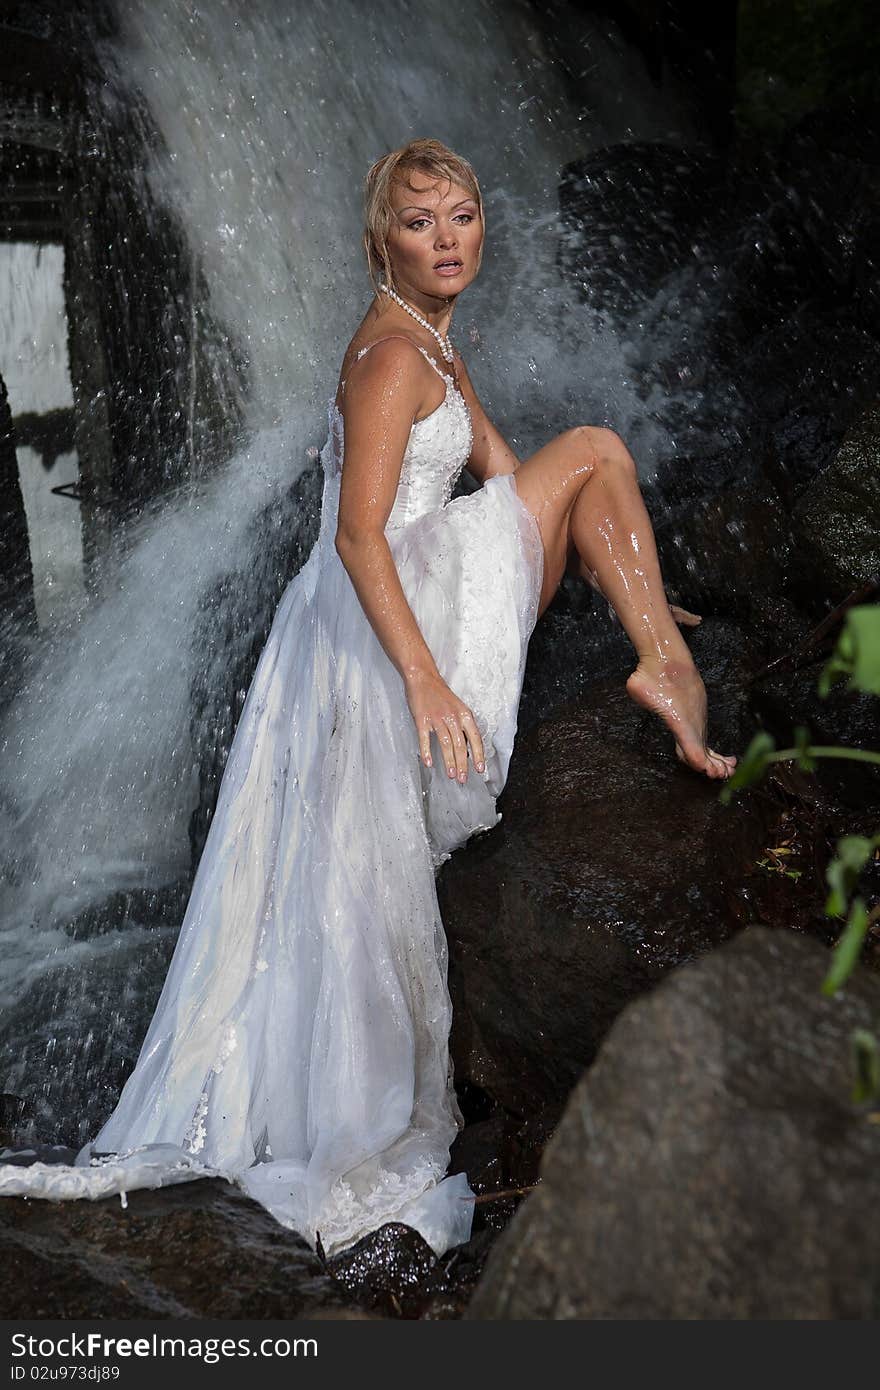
435,221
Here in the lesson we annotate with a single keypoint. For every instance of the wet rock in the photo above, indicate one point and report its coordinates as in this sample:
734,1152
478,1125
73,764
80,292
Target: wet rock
612,864
395,1273
202,1249
393,1260
500,1153
805,378
711,1163
631,215
837,520
726,549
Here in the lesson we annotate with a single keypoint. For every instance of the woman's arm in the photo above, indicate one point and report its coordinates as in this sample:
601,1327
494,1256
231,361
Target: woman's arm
382,398
490,453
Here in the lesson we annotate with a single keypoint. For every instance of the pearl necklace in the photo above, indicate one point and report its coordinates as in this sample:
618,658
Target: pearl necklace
445,344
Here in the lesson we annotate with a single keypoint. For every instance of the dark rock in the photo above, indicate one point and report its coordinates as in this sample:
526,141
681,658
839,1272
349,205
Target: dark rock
395,1273
612,863
726,549
502,1152
711,1163
391,1263
837,520
806,379
631,215
201,1249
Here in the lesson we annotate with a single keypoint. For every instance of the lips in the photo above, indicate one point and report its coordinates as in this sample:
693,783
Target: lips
450,263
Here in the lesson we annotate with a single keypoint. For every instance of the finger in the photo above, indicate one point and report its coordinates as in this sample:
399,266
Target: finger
469,724
459,747
444,738
425,746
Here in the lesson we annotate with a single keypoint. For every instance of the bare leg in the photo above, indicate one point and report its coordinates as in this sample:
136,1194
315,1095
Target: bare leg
612,532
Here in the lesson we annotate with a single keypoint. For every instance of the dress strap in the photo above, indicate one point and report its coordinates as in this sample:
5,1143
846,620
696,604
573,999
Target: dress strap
427,356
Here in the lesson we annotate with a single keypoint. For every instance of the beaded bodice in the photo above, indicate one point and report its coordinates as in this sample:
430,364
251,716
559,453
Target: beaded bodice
437,450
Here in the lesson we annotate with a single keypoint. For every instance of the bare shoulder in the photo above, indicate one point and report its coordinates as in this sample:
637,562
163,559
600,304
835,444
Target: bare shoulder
395,358
383,347
385,386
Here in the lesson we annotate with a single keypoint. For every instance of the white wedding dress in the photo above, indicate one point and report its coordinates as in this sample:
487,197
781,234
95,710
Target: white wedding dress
299,1047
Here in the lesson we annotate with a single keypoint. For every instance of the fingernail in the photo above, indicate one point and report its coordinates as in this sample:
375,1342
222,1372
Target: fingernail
462,777
481,767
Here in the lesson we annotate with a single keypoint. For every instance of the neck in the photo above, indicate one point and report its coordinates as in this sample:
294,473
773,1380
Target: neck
435,309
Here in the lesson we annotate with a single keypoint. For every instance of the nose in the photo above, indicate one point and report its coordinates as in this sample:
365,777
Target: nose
445,237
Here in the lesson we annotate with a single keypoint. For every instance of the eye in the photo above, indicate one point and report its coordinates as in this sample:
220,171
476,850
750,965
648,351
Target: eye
423,221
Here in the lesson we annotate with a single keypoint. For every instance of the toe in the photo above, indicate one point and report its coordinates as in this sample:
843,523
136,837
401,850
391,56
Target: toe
720,764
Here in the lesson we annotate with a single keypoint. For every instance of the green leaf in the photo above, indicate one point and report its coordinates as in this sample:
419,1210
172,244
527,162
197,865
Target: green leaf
846,952
857,653
866,1065
842,874
864,623
750,767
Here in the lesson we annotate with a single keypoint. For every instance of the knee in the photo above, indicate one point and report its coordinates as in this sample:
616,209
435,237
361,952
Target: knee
605,449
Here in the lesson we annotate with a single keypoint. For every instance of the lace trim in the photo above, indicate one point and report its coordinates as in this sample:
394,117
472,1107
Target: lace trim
348,1215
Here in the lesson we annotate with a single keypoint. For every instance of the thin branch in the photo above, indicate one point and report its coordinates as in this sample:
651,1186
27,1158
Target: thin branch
508,1192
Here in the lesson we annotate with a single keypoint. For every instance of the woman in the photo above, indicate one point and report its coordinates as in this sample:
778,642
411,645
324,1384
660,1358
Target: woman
427,241
300,1043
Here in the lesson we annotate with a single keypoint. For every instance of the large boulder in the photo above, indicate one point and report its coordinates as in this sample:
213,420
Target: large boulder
711,1164
198,1250
612,864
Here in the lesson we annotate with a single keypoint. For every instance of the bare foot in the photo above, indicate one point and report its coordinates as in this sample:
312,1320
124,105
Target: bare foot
674,690
682,616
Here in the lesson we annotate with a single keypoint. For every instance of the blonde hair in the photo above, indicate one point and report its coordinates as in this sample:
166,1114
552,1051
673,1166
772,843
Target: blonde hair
428,157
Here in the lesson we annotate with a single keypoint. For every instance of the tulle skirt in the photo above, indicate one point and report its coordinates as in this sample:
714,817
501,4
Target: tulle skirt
299,1047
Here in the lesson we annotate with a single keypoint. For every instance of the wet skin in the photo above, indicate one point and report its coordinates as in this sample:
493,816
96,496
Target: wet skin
582,488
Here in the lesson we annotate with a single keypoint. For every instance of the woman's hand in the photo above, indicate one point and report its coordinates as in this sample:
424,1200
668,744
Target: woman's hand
436,709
